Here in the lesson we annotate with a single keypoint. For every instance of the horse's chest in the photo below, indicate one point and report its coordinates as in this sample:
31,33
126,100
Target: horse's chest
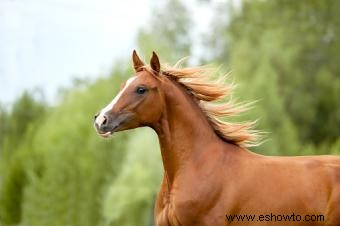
165,216
179,212
171,215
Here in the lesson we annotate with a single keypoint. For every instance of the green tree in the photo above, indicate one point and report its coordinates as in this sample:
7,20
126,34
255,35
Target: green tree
58,173
295,43
25,111
168,32
3,125
15,127
77,164
130,198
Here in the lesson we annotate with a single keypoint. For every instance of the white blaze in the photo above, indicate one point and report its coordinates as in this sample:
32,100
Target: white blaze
100,118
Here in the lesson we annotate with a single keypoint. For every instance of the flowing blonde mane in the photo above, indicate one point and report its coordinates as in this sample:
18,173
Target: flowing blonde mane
211,96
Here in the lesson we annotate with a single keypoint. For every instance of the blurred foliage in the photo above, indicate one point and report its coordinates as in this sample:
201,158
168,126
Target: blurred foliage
168,30
26,110
283,53
55,170
3,126
14,126
60,168
133,192
76,164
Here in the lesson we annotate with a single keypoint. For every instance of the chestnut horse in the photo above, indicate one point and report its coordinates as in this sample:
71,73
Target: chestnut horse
210,178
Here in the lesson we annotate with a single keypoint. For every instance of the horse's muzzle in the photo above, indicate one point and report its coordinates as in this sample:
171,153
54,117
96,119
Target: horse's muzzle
108,123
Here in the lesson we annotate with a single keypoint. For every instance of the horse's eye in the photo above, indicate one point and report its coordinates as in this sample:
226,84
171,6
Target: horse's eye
140,90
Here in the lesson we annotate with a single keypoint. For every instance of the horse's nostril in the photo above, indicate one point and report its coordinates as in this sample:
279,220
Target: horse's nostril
104,121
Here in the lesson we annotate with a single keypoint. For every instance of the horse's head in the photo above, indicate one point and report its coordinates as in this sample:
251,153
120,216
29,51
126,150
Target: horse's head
139,102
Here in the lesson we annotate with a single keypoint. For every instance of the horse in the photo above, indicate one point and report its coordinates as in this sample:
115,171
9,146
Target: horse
210,176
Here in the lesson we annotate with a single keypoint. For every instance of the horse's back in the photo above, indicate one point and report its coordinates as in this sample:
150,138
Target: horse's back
324,172
306,185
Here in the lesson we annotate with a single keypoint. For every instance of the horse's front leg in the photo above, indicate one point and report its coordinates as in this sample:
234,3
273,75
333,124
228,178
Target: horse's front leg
161,206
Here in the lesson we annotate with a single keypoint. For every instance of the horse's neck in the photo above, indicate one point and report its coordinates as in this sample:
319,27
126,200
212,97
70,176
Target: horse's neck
184,132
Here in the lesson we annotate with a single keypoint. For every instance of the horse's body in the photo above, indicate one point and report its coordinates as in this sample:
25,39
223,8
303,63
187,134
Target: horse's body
263,186
206,179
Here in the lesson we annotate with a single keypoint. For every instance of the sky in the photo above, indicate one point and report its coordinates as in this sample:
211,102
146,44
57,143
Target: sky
46,43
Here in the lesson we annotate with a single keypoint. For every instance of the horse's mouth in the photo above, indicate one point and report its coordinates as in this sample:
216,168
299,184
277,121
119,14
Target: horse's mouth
105,135
108,133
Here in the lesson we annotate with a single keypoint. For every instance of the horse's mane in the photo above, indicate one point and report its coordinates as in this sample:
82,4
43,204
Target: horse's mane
210,95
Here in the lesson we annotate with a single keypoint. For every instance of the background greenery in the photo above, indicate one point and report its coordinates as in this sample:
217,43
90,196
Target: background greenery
55,170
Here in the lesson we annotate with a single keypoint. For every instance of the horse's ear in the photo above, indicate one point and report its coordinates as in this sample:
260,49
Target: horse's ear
154,63
137,62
